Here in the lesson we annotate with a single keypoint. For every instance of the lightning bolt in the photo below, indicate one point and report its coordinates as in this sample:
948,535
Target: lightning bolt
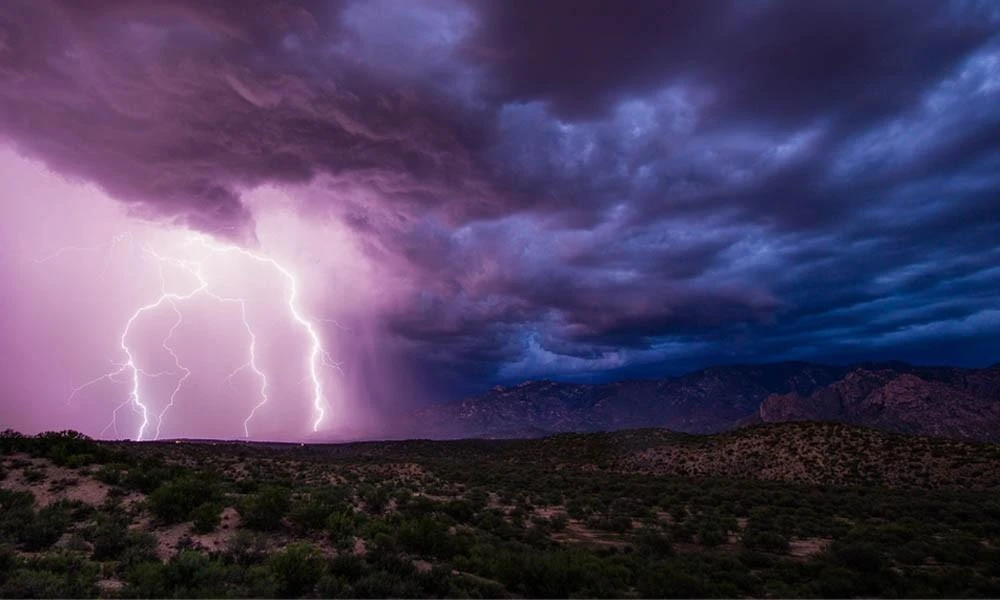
177,363
317,355
250,364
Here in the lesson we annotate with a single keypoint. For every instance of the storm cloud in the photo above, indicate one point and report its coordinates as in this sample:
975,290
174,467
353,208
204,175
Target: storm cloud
563,188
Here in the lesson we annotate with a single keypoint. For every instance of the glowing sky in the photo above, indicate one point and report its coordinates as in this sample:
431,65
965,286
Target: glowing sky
475,192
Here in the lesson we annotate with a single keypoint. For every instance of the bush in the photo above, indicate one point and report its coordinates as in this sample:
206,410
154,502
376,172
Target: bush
460,510
109,537
246,548
78,576
46,527
264,510
148,476
709,534
68,448
297,569
768,541
9,560
175,501
376,498
16,513
425,536
310,516
669,581
193,574
862,557
655,543
206,517
29,583
112,474
140,547
340,526
146,580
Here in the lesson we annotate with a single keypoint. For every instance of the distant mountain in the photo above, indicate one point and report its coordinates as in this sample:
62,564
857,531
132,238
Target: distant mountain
955,403
951,402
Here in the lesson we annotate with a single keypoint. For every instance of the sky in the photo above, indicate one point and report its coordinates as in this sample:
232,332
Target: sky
464,193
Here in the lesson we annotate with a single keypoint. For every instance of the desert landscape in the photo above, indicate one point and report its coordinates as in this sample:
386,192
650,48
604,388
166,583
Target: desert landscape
792,509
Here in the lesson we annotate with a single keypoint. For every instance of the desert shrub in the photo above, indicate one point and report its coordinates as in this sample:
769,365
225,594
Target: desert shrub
264,510
559,522
64,448
478,497
146,580
379,584
11,441
766,540
77,543
541,525
111,474
912,553
375,498
78,576
297,569
175,501
557,572
29,583
710,534
417,506
618,524
425,536
45,527
340,525
16,512
246,548
460,510
310,515
669,581
193,574
140,547
206,517
9,560
348,566
109,537
863,557
653,542
439,582
149,475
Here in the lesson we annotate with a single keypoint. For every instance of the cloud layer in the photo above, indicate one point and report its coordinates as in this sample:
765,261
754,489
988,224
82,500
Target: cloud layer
563,188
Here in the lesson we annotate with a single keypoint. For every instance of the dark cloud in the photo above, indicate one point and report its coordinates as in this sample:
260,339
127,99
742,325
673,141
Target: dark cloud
175,107
564,187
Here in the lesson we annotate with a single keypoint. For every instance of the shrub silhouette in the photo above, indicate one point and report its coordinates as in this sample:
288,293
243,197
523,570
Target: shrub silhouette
175,501
297,569
264,510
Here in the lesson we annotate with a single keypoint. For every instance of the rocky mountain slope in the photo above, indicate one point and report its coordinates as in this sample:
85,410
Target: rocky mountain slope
942,402
950,402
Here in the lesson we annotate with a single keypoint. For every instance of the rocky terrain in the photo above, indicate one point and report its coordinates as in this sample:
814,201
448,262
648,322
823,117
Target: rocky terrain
950,402
962,405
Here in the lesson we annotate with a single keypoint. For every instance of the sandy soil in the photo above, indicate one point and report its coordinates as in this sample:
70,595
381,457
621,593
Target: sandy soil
807,547
77,486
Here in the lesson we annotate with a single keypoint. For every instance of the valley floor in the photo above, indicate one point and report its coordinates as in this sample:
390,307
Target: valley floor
790,510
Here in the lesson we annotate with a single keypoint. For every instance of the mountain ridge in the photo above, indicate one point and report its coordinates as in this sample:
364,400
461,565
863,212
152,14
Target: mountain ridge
955,402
